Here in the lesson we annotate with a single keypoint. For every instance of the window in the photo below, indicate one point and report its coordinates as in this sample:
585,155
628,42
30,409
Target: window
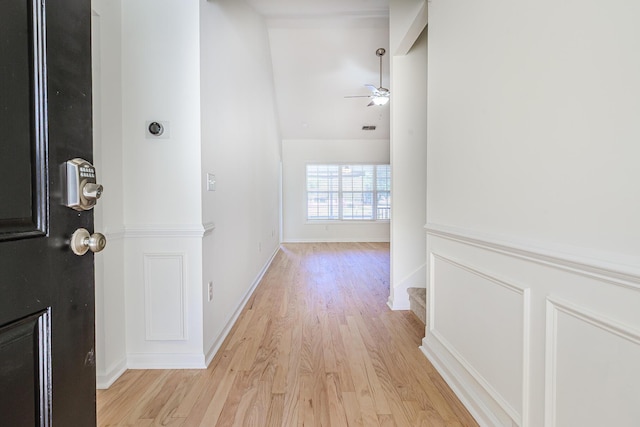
348,192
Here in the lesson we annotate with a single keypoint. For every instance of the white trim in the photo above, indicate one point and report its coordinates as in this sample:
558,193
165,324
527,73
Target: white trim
116,233
106,380
401,301
168,230
518,418
554,306
398,306
166,361
210,354
340,240
150,334
483,416
208,228
611,268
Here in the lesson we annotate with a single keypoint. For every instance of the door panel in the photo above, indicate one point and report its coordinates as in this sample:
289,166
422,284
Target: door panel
22,103
47,292
26,369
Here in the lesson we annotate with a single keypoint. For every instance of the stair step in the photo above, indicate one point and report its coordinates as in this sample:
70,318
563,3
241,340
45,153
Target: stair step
418,302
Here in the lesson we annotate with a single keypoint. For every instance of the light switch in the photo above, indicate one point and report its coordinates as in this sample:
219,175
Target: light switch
211,182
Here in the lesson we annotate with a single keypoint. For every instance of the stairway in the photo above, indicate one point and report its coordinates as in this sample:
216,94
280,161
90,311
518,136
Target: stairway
418,302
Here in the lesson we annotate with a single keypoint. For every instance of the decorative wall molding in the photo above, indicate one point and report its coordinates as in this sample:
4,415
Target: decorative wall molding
574,260
557,306
114,233
168,230
210,354
591,322
165,296
462,384
520,419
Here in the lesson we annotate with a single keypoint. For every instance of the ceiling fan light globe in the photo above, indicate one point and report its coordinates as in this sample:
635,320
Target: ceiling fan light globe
380,100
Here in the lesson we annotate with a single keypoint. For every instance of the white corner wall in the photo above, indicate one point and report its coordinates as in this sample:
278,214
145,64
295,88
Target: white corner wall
169,236
296,154
241,147
409,171
532,237
162,183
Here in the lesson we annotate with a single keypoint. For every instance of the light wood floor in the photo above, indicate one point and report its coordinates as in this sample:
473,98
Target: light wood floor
315,346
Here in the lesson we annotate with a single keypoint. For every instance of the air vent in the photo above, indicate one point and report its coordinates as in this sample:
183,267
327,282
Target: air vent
368,128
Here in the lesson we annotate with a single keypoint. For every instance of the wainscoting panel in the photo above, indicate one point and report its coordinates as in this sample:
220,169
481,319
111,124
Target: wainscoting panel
491,345
533,336
585,345
164,292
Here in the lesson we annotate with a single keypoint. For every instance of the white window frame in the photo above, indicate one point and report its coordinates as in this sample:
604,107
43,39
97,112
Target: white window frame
340,192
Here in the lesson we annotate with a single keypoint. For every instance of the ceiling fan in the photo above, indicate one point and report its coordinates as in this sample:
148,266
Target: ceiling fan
379,95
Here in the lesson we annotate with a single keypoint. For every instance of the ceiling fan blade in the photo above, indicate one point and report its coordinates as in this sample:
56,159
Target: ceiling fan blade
370,104
372,88
359,96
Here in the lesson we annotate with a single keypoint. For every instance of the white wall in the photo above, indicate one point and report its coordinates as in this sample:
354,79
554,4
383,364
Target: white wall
409,166
533,239
296,154
240,145
168,237
407,19
161,81
162,183
319,61
109,213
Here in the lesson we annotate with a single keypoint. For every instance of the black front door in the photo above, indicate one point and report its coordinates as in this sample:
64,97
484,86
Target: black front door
47,368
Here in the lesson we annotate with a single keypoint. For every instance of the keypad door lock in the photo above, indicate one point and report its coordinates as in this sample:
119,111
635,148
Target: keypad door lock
80,190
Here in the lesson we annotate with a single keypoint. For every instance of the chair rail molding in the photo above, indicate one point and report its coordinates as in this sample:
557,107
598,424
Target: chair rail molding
612,268
168,230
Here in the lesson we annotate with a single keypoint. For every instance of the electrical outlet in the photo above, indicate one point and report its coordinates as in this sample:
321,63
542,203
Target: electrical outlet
210,291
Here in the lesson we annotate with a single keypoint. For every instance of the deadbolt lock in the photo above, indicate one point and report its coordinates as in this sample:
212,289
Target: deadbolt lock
80,191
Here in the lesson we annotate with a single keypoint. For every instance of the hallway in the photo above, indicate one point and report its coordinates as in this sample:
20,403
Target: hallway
316,345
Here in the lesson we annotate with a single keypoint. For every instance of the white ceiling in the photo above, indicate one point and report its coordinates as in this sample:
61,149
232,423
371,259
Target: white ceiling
323,50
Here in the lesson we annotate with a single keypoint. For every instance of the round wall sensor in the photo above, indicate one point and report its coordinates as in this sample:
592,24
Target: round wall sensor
156,128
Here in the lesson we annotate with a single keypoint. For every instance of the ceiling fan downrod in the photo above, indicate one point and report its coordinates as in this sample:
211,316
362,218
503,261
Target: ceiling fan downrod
380,53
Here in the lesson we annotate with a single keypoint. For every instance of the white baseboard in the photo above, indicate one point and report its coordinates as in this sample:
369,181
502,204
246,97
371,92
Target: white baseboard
416,279
461,388
106,379
398,304
166,361
333,240
211,352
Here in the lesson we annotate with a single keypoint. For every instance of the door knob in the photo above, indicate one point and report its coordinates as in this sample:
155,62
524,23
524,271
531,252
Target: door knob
82,241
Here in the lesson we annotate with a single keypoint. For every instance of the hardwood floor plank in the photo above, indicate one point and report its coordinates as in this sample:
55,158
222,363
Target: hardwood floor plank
276,411
316,345
359,376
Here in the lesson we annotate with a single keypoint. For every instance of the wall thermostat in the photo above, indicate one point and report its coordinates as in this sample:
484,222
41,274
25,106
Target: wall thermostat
157,129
